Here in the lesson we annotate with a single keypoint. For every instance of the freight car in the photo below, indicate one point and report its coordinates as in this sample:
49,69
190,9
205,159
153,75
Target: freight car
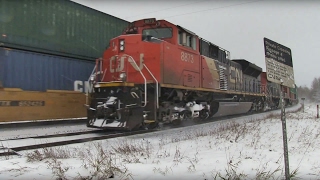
37,86
58,27
161,72
32,71
47,52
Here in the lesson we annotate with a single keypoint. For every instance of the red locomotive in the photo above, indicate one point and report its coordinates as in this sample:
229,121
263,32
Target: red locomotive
160,72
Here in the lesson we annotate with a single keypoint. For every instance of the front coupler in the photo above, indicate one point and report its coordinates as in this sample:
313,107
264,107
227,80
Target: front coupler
116,108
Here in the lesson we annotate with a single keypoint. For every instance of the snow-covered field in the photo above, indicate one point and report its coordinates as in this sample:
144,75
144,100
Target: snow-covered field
250,149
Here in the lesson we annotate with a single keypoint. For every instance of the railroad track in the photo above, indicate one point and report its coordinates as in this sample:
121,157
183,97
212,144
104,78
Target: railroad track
98,135
54,135
7,151
24,124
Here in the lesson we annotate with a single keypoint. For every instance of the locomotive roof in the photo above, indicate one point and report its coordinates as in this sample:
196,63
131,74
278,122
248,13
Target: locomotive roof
249,68
154,20
188,31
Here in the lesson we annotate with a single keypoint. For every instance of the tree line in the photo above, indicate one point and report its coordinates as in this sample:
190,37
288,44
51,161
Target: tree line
311,94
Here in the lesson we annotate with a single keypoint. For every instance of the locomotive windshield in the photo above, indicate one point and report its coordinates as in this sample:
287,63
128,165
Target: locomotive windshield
158,32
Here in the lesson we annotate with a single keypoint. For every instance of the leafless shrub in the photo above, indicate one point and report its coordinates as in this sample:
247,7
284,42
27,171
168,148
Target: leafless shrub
36,155
201,133
143,148
195,158
57,168
294,173
19,170
7,152
163,141
316,169
230,174
102,164
317,133
238,130
177,156
47,153
263,173
191,167
131,152
155,162
163,172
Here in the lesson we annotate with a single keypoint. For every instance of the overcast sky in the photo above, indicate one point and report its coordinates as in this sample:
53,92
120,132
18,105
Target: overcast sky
238,26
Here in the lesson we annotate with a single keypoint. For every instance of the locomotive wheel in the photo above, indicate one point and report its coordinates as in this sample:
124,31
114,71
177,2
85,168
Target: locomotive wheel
151,125
91,122
196,120
185,115
176,122
204,114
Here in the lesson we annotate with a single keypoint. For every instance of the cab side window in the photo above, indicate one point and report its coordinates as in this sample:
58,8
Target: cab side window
187,39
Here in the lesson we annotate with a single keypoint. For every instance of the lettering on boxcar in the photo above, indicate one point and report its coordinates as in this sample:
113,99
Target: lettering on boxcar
21,103
4,103
187,57
31,103
83,86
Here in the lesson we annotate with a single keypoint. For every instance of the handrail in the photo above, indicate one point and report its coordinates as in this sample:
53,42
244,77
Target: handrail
145,80
101,61
157,86
104,73
92,72
87,93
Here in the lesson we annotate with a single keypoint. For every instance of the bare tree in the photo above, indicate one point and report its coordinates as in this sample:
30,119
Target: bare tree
304,92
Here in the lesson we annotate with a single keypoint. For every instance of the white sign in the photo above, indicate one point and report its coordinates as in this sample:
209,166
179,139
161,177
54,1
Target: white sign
279,68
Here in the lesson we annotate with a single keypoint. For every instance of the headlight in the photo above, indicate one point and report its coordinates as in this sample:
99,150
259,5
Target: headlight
92,78
121,45
123,76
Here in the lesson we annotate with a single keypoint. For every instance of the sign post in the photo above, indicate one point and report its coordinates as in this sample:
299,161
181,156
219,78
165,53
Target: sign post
279,70
303,103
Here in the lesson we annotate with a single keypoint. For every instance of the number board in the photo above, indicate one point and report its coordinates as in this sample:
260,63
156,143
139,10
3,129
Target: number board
279,68
150,21
7,103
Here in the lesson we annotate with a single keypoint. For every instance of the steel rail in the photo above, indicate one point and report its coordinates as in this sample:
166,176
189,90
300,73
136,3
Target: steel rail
15,150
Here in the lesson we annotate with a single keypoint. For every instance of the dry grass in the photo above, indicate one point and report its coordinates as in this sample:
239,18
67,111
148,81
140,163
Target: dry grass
59,152
102,164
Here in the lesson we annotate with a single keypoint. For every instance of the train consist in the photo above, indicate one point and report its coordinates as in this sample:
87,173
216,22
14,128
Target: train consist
160,72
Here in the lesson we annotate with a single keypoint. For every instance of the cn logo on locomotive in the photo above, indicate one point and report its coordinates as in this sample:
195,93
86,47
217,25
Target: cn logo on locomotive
121,60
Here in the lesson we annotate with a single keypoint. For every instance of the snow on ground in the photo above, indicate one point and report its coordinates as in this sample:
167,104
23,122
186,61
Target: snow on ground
250,149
